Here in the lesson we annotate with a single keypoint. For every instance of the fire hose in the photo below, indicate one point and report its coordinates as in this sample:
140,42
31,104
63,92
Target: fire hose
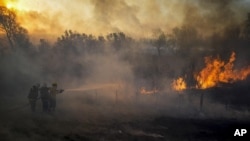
19,107
25,105
60,91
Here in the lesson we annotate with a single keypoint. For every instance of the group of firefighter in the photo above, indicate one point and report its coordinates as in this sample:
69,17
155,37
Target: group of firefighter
47,95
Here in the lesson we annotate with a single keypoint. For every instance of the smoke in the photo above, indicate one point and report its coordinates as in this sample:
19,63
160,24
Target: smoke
135,18
214,16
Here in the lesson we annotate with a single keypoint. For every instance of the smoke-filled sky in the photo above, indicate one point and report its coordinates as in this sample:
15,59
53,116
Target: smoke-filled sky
137,18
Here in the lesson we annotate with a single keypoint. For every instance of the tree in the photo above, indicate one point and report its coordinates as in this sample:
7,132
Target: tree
186,39
43,45
160,42
118,40
16,35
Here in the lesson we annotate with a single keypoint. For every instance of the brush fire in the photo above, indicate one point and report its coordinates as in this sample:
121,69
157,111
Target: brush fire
179,84
215,71
122,70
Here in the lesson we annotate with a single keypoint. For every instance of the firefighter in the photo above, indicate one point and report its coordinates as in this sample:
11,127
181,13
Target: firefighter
53,93
33,95
45,95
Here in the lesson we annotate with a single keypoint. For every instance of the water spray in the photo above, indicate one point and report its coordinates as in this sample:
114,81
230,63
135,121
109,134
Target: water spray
94,87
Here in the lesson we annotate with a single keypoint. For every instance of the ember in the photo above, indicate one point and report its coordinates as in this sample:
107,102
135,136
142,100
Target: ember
147,92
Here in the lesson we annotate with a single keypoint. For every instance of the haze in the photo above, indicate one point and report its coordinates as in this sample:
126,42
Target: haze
138,19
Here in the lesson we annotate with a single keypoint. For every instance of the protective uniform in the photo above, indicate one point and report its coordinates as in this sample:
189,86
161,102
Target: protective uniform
33,94
45,96
53,93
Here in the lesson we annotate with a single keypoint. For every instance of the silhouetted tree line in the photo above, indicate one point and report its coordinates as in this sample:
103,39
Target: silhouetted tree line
16,35
152,59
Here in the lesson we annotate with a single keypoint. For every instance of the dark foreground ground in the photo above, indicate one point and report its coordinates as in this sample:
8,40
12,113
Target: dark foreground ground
156,129
81,118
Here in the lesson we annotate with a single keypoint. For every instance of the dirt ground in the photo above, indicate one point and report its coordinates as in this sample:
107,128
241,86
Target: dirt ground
85,119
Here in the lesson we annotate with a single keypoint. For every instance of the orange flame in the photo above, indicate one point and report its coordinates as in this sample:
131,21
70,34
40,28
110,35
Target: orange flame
147,92
218,71
179,84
